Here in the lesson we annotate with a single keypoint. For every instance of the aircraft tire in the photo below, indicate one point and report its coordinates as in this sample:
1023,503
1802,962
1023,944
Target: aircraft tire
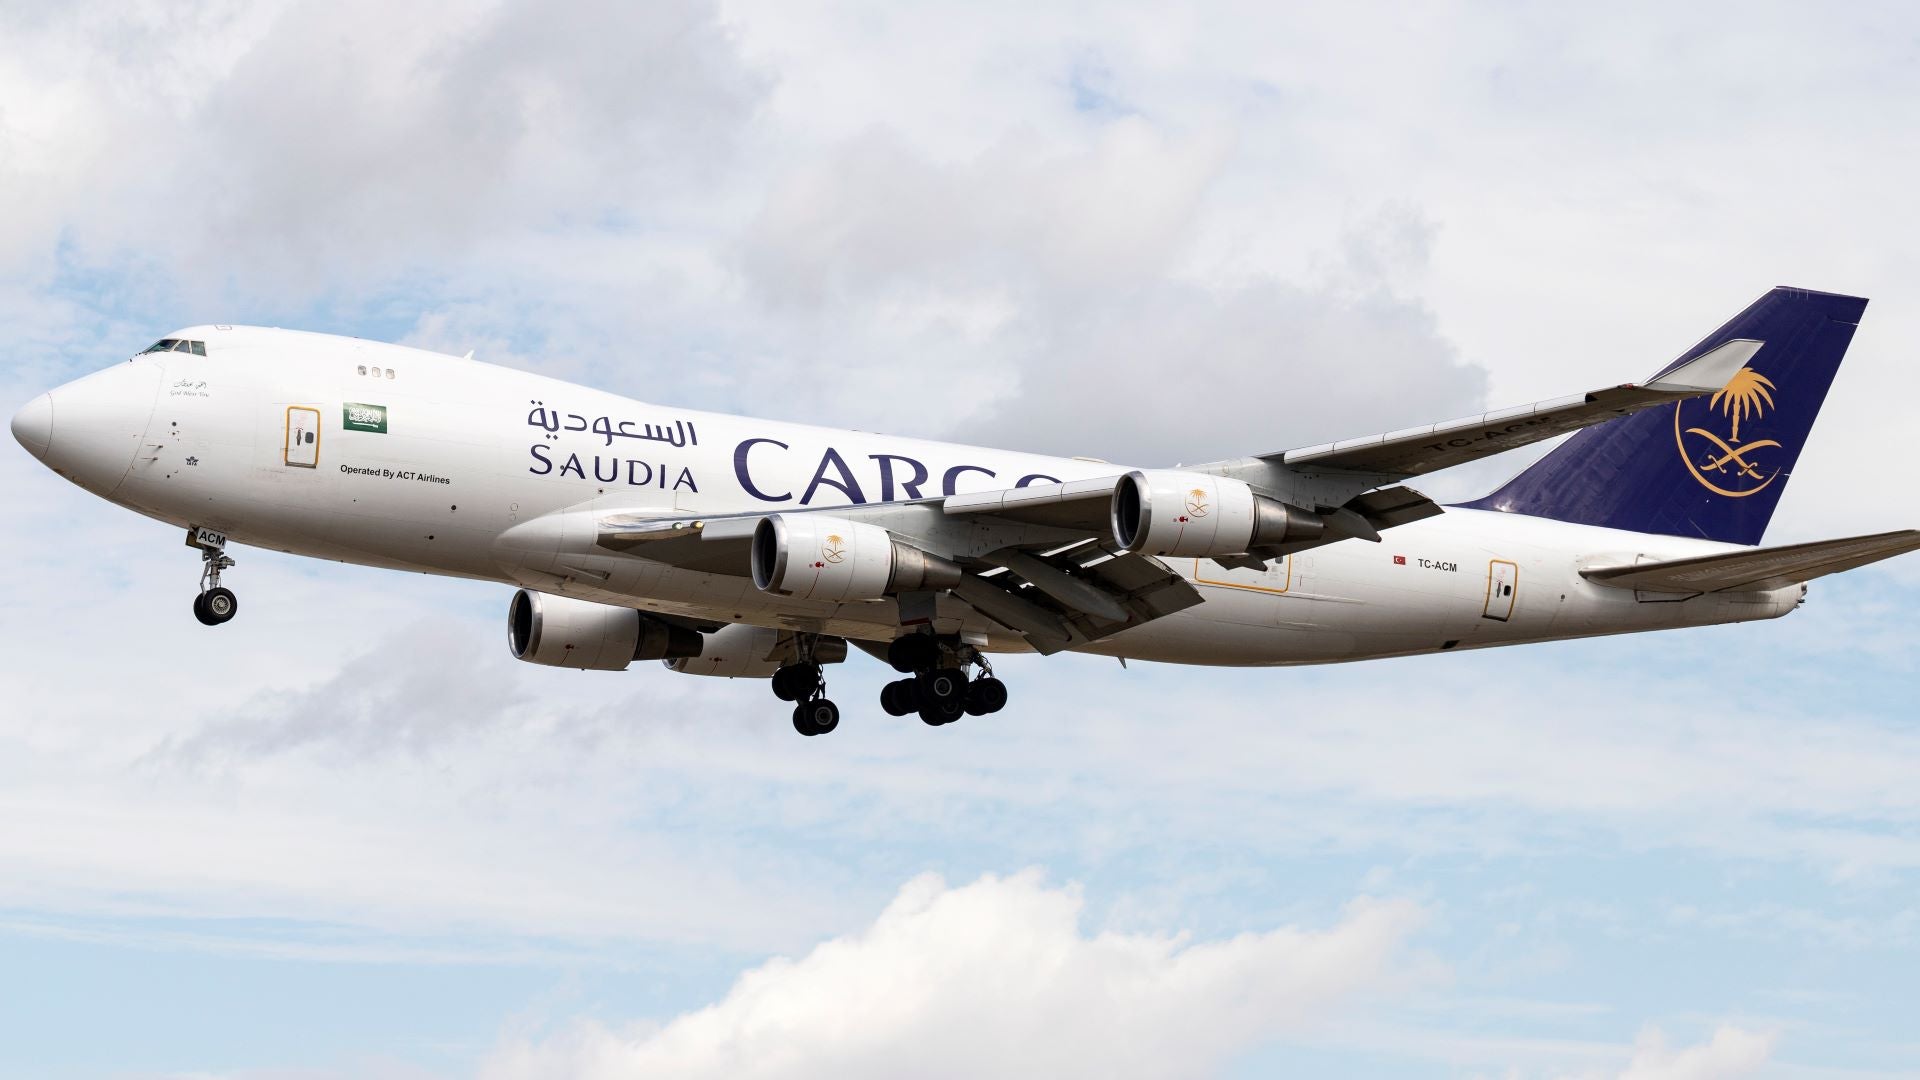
912,652
816,717
216,606
796,682
943,684
988,695
897,697
939,713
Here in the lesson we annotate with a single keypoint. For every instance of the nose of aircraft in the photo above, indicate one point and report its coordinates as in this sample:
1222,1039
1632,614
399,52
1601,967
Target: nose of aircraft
33,426
103,417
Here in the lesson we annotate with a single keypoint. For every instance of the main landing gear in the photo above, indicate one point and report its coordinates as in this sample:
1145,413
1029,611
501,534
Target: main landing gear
215,604
805,682
939,689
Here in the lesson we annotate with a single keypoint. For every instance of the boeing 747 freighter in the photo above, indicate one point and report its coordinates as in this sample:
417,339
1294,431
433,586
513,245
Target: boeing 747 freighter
728,546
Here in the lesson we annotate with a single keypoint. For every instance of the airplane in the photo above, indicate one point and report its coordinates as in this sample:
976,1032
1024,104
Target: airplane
736,547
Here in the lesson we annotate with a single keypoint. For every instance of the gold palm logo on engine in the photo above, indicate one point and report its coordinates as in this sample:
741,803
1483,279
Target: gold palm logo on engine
832,550
1711,448
1197,503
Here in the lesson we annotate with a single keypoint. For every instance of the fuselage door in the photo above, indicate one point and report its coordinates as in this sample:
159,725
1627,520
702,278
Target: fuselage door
1503,583
303,437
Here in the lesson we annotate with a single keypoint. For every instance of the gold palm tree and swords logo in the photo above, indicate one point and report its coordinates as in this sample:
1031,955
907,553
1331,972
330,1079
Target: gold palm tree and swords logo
832,550
1196,504
1725,465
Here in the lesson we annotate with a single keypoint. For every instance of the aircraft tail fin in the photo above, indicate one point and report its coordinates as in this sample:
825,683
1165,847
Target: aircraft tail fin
1714,466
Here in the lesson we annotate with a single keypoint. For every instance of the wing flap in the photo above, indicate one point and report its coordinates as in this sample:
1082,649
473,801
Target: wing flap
1133,589
1762,568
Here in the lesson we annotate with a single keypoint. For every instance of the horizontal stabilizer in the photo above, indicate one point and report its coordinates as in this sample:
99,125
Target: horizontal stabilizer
1763,568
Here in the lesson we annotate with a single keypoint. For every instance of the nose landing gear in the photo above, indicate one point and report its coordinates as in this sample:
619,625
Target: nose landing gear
215,604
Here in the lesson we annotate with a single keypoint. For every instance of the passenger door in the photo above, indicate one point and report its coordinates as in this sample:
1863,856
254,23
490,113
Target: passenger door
302,449
1503,583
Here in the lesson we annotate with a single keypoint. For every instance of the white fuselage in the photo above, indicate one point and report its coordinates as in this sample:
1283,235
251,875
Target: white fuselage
275,438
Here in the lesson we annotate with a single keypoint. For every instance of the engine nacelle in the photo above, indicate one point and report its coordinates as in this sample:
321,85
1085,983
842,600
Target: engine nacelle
560,631
1198,515
743,651
815,557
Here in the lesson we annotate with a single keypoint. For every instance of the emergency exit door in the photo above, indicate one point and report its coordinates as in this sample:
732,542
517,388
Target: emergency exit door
1503,579
303,437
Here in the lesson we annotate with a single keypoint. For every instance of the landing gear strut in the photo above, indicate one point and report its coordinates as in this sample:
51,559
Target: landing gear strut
215,604
939,689
805,682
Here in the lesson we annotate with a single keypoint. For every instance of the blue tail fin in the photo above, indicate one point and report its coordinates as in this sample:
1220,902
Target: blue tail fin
1711,467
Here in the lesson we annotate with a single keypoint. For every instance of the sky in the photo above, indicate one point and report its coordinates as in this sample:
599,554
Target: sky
348,836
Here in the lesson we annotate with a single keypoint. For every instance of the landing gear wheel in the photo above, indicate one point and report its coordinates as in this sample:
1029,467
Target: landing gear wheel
983,696
897,697
913,652
816,717
945,684
796,681
938,713
215,606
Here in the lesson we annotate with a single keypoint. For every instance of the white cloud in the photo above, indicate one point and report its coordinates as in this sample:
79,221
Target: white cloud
1731,1052
997,978
302,148
1014,225
1074,211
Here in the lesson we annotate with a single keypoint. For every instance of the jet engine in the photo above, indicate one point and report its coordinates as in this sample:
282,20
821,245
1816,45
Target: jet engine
1198,515
560,631
815,557
744,651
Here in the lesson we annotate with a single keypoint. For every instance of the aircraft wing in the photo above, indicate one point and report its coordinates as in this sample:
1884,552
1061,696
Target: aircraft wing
1038,560
1410,452
1042,559
1760,568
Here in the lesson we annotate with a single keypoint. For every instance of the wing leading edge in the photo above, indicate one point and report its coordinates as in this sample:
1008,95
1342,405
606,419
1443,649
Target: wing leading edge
1413,451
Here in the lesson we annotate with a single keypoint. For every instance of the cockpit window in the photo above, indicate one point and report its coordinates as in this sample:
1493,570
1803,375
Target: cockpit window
197,348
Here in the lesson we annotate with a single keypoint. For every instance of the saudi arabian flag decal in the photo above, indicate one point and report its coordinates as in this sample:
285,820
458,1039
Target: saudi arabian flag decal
360,417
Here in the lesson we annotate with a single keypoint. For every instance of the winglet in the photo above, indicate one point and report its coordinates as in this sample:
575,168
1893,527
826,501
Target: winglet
1709,371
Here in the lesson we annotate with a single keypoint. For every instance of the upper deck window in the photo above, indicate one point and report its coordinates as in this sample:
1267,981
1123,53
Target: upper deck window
197,348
